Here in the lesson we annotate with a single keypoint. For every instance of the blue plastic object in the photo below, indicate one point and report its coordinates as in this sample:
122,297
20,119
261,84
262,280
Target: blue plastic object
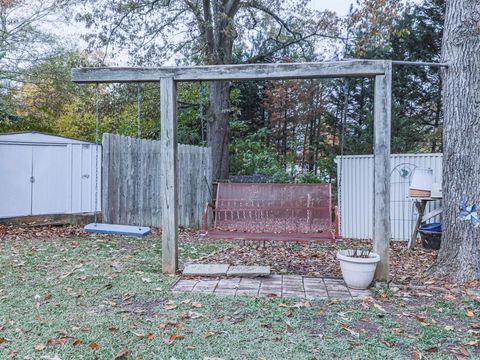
432,227
114,229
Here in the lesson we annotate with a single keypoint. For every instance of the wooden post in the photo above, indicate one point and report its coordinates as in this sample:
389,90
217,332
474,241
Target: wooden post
381,202
169,183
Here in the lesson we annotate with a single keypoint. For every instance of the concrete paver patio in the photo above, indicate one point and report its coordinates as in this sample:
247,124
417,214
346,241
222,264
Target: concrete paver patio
272,286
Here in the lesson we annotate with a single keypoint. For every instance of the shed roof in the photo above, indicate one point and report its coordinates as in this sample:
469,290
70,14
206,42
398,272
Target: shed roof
34,137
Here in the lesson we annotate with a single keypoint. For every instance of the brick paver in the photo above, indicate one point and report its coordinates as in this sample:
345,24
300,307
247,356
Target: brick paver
272,286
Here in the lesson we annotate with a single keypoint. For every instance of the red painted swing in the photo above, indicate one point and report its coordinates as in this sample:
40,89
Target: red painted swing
277,212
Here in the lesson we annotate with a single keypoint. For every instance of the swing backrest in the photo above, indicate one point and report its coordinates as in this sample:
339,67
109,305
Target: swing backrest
274,208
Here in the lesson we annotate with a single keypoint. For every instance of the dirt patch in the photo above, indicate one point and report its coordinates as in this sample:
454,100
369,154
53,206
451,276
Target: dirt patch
320,260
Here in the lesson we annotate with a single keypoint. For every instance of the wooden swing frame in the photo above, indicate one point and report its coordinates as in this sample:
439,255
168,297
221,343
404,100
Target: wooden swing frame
168,77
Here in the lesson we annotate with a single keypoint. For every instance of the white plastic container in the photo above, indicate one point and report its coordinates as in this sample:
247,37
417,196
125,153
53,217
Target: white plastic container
422,179
357,272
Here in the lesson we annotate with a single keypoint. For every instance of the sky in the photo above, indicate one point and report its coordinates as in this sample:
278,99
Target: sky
72,32
341,7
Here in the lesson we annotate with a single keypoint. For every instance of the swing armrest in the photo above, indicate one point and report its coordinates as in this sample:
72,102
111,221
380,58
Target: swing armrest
337,224
204,232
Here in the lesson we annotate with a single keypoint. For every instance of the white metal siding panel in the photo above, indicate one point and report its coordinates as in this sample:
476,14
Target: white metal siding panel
15,185
356,196
50,194
76,179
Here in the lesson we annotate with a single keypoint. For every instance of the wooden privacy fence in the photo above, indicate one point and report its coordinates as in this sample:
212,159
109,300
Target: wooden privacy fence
131,186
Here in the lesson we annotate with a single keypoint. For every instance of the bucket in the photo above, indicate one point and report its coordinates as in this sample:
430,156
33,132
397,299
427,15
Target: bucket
431,235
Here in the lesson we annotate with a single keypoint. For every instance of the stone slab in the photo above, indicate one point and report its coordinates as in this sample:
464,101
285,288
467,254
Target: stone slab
249,271
206,269
239,286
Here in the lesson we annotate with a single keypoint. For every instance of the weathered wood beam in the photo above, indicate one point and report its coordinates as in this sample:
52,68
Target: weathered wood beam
169,174
353,68
381,203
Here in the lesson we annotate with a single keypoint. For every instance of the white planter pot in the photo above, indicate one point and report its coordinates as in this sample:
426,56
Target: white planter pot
357,272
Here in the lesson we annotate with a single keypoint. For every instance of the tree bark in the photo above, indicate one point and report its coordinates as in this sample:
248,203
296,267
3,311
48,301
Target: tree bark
218,130
459,255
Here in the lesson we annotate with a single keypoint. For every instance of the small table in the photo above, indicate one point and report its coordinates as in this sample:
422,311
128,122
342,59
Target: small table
421,204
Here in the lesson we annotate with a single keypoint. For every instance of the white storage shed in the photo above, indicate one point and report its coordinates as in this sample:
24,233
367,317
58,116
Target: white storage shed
43,174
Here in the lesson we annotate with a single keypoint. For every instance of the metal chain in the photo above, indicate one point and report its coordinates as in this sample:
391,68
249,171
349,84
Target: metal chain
97,130
139,98
139,141
200,111
342,149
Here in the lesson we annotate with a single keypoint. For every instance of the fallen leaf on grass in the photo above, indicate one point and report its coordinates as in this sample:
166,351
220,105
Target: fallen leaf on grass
93,345
12,353
172,338
169,305
149,336
113,328
196,304
170,322
354,333
420,319
469,313
77,342
321,312
58,341
302,304
208,334
37,318
40,347
433,349
379,308
3,340
122,354
146,280
192,315
474,343
417,355
288,313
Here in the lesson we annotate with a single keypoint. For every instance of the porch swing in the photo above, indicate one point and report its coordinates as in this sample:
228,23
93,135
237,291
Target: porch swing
277,212
113,229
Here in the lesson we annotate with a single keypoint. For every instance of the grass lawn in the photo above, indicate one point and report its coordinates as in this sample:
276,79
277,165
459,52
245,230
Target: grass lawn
87,298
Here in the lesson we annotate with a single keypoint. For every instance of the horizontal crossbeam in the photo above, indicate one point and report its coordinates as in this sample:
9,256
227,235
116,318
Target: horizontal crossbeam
351,68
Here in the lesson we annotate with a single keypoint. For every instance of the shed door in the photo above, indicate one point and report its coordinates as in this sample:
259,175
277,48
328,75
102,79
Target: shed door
15,185
50,170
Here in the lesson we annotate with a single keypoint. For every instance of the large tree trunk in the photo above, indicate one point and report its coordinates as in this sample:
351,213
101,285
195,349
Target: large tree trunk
218,127
459,256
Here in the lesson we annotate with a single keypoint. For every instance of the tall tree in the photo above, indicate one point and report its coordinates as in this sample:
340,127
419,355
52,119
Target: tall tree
205,32
459,256
24,39
24,42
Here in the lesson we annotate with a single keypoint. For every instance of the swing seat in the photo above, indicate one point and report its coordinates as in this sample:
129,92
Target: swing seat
272,212
114,229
